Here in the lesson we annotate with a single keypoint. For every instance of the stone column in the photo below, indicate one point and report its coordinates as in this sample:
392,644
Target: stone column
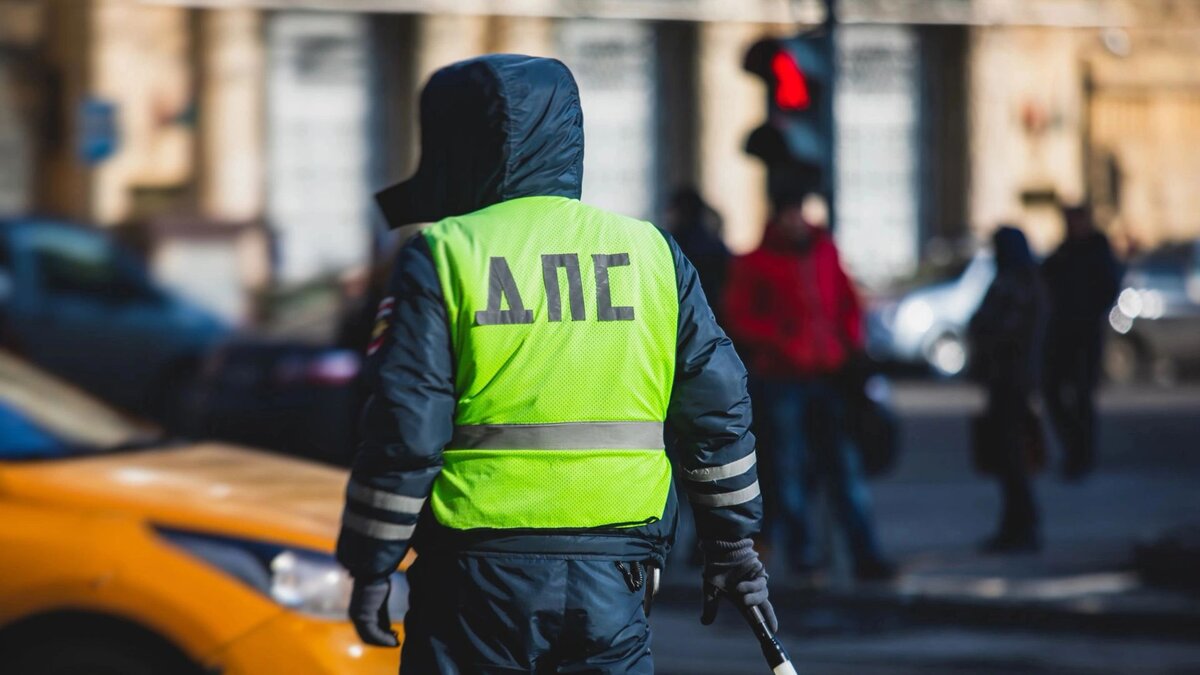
1025,128
231,139
731,103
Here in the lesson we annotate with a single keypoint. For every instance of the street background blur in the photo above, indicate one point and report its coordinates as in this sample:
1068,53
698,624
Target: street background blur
187,231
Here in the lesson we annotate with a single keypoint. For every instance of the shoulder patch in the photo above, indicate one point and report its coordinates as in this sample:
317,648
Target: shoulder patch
382,320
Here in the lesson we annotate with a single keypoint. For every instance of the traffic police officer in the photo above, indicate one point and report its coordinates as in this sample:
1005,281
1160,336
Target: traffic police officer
530,358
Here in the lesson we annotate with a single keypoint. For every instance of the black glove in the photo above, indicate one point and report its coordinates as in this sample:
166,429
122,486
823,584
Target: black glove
732,568
369,612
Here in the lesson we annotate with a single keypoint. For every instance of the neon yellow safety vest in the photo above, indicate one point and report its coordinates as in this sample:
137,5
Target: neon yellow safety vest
563,319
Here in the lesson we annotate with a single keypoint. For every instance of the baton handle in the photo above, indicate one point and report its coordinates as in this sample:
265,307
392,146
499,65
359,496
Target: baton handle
774,652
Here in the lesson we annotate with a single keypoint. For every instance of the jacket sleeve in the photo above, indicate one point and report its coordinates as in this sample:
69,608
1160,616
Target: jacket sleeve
850,305
1113,273
407,420
709,418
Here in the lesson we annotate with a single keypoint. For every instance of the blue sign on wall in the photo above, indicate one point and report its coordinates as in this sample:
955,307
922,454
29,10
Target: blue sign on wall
98,136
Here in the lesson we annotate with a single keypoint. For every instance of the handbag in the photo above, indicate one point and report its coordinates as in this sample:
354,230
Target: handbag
874,430
871,424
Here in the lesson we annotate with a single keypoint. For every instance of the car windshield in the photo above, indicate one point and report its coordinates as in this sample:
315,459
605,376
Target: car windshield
1172,259
42,418
957,268
70,262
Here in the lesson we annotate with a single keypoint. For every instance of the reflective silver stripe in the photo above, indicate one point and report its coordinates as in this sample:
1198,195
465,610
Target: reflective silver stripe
728,499
376,529
711,473
384,500
563,436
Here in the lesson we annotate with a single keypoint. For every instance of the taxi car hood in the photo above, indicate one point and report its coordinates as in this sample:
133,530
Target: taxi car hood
493,128
211,488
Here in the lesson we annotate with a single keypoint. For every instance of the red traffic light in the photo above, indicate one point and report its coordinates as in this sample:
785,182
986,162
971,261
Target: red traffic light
791,88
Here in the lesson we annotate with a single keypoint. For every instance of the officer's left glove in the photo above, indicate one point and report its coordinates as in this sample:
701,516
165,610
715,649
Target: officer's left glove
732,568
369,612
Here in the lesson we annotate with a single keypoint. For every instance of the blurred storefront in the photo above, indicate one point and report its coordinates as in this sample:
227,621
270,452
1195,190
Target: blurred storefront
1100,106
317,135
878,139
275,115
270,123
1142,125
20,31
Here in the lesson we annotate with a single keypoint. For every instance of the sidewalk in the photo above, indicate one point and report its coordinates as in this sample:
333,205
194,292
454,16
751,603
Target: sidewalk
1114,602
933,510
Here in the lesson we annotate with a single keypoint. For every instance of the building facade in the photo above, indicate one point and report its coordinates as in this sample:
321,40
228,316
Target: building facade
251,137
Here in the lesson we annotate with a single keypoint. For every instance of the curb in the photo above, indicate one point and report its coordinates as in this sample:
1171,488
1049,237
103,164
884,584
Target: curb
1134,613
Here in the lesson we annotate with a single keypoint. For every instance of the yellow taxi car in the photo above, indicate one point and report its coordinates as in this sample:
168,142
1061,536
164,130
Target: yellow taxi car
124,555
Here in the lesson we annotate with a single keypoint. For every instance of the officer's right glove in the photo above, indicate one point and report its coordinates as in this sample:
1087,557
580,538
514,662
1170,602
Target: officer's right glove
369,612
732,568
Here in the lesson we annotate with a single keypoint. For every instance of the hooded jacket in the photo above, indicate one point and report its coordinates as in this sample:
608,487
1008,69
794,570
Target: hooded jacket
1083,278
792,307
495,129
1005,333
492,129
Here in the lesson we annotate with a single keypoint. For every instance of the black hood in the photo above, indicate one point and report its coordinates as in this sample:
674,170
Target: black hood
493,128
1011,249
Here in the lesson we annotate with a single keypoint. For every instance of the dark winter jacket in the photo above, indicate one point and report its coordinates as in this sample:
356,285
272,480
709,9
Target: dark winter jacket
697,228
1083,278
792,307
1005,333
496,128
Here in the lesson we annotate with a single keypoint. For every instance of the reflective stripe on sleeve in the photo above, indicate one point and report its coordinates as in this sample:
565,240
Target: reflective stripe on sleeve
376,529
384,500
559,436
712,473
726,499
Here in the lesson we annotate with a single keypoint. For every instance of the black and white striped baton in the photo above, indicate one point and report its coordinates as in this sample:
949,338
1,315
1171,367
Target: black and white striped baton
774,652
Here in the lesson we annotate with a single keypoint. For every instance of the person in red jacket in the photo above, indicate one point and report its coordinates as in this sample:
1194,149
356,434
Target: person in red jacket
796,316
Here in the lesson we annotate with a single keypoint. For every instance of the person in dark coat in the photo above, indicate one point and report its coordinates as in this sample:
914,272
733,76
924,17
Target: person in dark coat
696,227
1005,335
1083,277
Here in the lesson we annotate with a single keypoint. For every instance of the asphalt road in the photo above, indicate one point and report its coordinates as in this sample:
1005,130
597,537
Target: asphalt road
931,512
683,647
1148,477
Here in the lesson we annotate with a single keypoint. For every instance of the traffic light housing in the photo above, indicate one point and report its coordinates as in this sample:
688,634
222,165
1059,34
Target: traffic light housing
796,140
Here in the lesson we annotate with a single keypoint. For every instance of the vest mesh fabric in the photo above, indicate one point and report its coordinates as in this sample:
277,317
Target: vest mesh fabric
555,372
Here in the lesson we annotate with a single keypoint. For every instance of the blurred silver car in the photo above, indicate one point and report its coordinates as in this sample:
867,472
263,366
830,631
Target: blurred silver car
1155,321
928,326
1156,318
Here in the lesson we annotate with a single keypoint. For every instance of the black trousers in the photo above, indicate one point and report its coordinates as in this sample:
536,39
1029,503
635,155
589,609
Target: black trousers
483,614
1070,376
1008,406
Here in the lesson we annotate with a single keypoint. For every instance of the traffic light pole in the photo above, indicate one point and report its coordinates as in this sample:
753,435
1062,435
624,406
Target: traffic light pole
828,108
798,140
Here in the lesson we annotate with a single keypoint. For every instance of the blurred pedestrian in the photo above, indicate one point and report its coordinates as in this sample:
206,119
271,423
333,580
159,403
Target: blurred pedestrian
1005,335
697,227
1083,277
791,308
528,360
